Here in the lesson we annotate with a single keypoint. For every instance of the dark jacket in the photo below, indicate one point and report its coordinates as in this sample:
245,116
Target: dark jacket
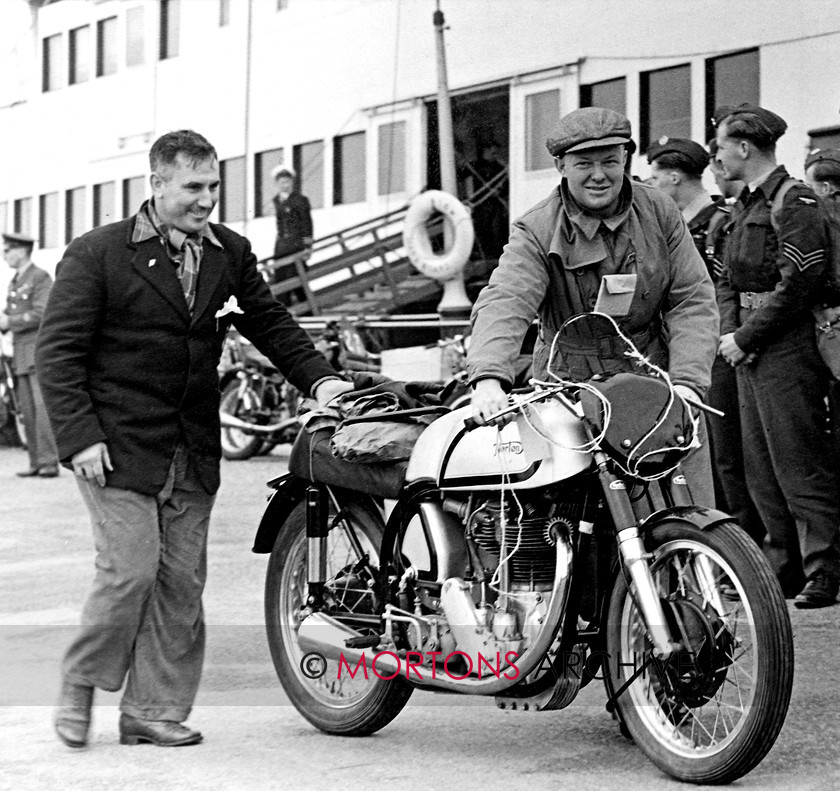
294,224
121,360
791,264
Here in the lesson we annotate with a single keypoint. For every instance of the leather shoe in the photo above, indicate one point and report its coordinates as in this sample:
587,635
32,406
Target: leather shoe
72,717
162,733
30,473
820,591
48,472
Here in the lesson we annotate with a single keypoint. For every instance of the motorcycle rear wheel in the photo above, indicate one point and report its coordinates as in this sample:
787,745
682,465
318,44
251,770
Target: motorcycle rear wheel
712,711
334,702
237,444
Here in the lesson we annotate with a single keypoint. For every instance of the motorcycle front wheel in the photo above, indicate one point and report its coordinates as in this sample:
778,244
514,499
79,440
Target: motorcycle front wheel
711,711
237,444
332,701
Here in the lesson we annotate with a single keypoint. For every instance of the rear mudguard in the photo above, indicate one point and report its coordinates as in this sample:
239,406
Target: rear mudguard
289,490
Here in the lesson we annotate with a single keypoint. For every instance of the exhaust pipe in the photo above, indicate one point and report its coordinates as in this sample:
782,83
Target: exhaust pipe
229,421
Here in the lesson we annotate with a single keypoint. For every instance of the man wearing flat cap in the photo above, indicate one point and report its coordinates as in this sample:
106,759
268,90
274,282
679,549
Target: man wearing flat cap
774,274
677,166
27,297
595,224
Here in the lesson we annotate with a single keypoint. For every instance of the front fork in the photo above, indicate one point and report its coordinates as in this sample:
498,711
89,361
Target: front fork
635,559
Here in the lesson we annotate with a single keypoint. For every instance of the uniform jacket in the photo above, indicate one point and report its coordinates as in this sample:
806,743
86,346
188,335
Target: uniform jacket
550,269
791,264
706,229
121,360
25,305
294,224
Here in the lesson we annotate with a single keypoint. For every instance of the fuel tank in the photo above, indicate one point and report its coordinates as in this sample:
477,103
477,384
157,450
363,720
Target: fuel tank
519,455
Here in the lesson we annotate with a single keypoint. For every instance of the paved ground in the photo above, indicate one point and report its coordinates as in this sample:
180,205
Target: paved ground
255,740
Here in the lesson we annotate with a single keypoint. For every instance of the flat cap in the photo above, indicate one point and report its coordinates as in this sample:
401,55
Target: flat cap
280,170
774,125
695,154
822,155
589,127
18,239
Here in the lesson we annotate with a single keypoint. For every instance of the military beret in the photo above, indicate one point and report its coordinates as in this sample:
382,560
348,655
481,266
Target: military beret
18,239
589,127
697,156
822,155
282,171
775,124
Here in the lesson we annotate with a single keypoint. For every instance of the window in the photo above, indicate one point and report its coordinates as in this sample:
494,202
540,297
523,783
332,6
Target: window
51,63
308,161
133,195
4,215
22,220
74,214
104,203
264,189
542,111
281,4
349,168
134,37
824,137
106,46
391,176
665,104
232,205
170,23
48,220
79,63
224,13
731,79
611,94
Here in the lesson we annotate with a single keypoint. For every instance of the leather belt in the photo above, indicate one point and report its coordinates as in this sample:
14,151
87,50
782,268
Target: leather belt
752,300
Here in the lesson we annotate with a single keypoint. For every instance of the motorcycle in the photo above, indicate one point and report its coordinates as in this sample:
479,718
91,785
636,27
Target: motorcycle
258,407
524,562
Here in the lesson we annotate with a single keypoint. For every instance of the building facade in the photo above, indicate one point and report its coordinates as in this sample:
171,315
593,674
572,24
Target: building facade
344,91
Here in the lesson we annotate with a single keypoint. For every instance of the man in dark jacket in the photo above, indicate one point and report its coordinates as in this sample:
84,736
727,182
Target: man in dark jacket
294,229
774,273
127,358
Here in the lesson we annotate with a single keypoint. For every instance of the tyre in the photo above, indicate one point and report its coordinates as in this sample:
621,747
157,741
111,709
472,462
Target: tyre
237,444
334,702
712,711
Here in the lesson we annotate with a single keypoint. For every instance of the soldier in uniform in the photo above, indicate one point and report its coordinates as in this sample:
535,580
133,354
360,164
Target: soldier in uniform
677,167
775,267
27,298
595,223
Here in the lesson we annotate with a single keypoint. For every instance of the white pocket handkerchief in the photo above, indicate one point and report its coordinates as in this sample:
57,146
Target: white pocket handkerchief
231,306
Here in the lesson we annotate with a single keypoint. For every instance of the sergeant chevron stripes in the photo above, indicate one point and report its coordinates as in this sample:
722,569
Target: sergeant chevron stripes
802,260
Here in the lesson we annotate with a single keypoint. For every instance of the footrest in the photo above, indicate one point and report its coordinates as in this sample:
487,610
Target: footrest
364,641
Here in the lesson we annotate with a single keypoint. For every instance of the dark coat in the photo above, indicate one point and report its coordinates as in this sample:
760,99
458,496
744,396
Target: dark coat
294,224
121,360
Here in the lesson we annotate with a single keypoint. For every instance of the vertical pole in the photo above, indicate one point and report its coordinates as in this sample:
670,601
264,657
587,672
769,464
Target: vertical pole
454,303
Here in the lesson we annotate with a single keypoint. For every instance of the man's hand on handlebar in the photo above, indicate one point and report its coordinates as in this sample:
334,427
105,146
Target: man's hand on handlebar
488,398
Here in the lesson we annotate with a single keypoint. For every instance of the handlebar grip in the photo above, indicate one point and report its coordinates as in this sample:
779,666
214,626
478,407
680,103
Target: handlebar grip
471,423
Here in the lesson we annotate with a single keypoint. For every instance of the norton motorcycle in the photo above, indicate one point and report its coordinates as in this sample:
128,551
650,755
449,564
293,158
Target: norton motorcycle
523,562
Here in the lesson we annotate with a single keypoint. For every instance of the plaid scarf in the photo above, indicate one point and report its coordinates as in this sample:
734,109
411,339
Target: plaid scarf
185,250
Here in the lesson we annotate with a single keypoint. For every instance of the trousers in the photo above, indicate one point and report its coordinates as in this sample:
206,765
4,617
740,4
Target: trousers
143,620
39,437
789,459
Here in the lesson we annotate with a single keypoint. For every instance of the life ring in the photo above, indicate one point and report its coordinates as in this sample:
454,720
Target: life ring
449,264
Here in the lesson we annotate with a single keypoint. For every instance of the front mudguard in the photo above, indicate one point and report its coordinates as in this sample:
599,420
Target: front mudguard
289,490
695,515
